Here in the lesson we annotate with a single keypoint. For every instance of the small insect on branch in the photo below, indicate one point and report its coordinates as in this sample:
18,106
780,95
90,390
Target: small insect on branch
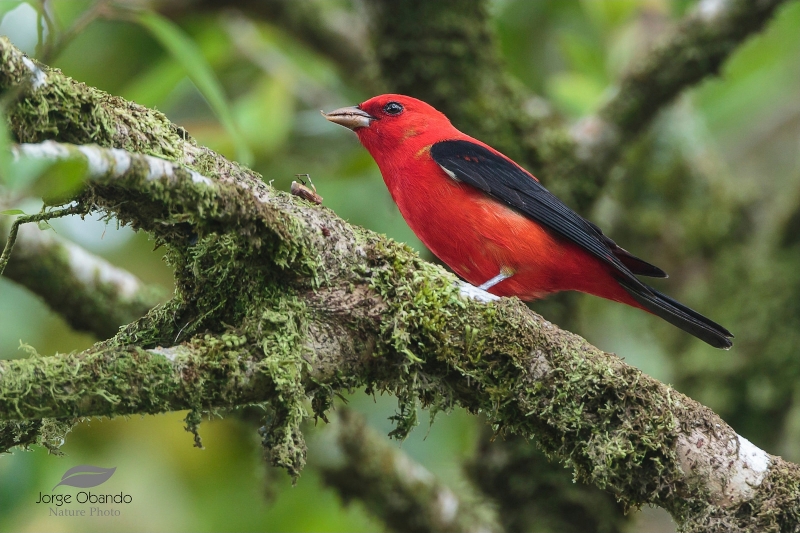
304,192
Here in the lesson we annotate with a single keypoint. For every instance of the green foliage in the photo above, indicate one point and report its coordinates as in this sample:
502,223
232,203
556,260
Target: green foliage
187,54
709,194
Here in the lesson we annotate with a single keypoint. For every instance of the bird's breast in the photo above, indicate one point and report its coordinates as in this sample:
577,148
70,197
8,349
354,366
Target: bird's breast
473,233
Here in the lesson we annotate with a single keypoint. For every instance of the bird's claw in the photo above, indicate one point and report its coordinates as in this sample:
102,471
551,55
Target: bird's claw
475,293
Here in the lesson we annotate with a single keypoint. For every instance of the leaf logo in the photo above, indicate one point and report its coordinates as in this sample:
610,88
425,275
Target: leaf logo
86,476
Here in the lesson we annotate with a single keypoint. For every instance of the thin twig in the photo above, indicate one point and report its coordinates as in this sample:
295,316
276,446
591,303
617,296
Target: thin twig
39,217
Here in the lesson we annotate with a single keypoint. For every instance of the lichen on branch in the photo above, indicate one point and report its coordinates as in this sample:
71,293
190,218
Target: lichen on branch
278,301
251,324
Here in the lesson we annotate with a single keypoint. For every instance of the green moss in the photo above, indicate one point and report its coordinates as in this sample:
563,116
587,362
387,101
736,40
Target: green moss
236,279
223,279
282,326
65,110
46,432
614,426
234,308
243,326
233,301
775,507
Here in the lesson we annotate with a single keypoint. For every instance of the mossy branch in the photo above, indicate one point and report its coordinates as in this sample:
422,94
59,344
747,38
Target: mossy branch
27,219
406,497
445,53
91,294
255,320
46,432
46,104
278,301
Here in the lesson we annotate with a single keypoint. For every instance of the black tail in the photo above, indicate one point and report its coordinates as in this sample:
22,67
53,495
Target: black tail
679,315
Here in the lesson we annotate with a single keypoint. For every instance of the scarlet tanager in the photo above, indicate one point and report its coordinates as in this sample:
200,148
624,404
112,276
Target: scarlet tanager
493,223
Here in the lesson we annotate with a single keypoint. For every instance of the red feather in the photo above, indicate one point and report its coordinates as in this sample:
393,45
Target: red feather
472,233
477,234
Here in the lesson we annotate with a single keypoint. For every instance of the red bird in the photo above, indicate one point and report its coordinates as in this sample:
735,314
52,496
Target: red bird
493,223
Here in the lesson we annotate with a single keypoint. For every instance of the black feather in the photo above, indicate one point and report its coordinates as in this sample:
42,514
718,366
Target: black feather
681,316
504,180
507,182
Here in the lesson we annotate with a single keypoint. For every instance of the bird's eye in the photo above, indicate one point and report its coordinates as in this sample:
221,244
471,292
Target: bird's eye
393,108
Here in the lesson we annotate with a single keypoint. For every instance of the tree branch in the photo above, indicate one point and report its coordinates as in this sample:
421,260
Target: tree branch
50,105
90,293
694,50
445,53
385,319
534,494
278,300
399,491
46,432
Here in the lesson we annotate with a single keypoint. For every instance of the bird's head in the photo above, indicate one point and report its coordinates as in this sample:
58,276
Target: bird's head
385,122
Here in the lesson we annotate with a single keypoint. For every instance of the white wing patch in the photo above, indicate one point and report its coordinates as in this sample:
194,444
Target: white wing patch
449,173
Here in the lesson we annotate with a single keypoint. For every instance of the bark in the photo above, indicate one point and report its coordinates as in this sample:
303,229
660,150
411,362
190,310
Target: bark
378,317
90,293
278,300
395,488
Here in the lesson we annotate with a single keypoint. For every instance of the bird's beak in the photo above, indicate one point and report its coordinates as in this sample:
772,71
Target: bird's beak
350,117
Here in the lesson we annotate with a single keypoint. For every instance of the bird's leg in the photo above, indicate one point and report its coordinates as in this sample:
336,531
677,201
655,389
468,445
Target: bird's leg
505,273
479,293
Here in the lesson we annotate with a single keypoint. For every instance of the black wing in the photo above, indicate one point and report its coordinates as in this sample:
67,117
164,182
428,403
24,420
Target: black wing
497,176
505,181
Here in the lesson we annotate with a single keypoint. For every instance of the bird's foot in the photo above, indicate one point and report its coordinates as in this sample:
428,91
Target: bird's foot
476,293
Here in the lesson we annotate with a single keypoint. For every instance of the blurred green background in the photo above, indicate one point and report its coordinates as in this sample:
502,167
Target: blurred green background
711,193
